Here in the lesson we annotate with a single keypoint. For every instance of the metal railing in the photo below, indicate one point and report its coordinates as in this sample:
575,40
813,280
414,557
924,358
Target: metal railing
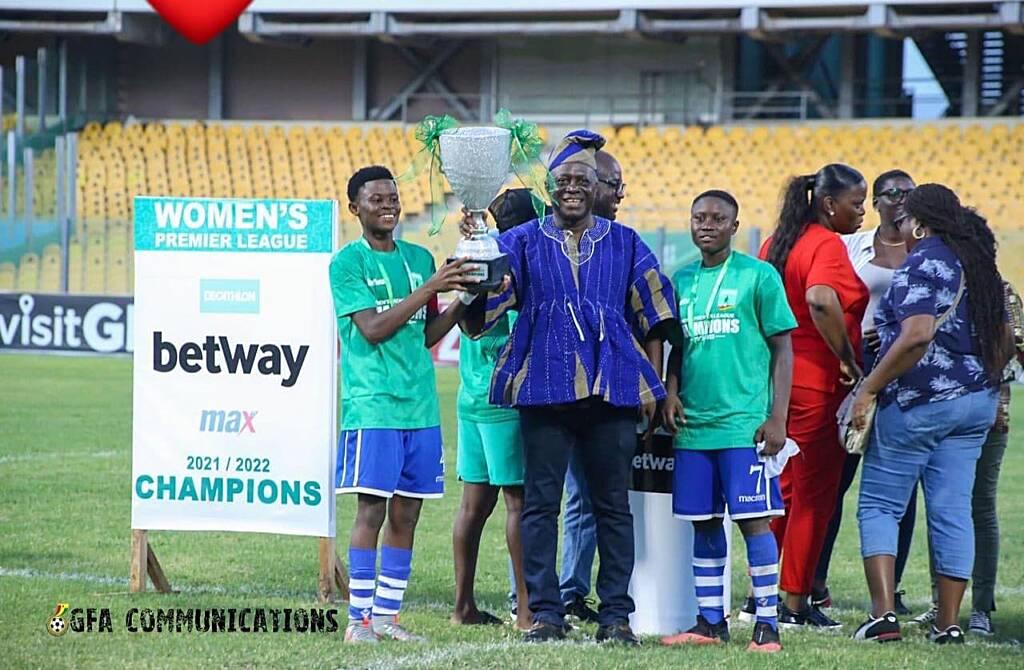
705,108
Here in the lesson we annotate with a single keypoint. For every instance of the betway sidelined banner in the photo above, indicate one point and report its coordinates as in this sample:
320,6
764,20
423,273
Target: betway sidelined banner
235,366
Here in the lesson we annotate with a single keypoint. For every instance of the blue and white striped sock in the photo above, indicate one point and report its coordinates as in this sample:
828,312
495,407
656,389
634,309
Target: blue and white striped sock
395,566
763,559
362,577
709,551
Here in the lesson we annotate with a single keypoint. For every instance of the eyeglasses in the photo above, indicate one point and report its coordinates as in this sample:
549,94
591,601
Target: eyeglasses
620,187
896,195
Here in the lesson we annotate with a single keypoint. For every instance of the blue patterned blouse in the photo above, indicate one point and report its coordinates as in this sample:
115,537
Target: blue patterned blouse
927,283
579,302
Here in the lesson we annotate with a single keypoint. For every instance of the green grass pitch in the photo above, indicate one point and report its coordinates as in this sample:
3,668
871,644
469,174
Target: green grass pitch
65,497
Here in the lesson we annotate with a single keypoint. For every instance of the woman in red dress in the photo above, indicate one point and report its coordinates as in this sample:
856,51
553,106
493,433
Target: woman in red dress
828,300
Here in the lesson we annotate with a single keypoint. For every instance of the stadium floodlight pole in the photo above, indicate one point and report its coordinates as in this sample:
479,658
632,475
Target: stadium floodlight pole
662,241
104,100
11,214
83,87
60,150
12,175
215,80
41,89
359,75
71,156
753,240
28,161
19,75
62,84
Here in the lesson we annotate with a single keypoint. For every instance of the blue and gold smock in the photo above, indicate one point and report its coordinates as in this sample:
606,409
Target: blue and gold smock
580,300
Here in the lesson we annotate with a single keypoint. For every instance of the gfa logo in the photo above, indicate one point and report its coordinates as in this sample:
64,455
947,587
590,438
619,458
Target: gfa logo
57,625
227,421
79,620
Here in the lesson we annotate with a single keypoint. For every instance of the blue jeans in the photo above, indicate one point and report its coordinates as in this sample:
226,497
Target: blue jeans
906,525
579,535
938,444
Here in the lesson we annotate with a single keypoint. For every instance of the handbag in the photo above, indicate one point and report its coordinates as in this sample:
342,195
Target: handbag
1015,311
853,440
856,441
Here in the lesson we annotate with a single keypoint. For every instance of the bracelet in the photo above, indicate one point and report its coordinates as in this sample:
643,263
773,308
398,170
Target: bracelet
466,298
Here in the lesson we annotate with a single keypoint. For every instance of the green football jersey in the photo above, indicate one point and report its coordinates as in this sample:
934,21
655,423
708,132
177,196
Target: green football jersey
727,313
477,359
390,384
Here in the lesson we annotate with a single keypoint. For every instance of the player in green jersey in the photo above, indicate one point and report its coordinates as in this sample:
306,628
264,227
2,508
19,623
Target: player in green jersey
390,452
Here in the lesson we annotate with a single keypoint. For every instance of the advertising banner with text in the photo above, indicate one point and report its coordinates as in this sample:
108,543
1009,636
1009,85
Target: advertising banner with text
65,324
235,380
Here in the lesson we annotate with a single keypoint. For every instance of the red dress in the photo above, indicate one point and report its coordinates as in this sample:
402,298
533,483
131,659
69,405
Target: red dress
811,479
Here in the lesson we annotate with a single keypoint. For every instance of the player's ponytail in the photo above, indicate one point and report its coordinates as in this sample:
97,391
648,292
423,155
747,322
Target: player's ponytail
800,202
796,213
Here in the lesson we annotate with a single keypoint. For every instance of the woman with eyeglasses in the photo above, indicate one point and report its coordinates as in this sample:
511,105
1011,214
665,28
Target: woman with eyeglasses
828,299
875,255
944,343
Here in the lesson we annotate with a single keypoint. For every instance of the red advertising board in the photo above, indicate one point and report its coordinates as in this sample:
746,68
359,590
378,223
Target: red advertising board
446,352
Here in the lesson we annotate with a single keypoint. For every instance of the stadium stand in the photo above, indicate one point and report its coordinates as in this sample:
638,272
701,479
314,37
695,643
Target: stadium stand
663,167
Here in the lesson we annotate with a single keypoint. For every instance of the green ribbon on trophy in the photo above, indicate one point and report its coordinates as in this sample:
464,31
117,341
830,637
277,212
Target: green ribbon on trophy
527,145
428,132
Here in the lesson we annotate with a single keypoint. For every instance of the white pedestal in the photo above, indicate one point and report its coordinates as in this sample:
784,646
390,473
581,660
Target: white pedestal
662,583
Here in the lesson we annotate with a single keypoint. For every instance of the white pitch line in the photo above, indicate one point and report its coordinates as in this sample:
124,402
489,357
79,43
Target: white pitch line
61,455
63,576
444,655
242,590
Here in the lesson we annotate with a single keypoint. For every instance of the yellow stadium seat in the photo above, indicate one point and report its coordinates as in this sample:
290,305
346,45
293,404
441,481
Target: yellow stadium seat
117,273
76,267
28,273
8,276
664,167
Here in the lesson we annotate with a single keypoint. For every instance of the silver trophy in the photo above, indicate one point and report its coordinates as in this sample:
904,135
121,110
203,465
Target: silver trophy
477,161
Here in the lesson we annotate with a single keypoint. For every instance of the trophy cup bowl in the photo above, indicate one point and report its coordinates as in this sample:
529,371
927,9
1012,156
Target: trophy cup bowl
477,161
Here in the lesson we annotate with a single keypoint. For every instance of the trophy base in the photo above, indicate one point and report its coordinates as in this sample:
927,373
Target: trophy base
491,273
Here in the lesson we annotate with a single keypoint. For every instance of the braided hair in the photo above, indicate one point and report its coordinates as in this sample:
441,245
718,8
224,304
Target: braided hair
968,236
801,200
979,225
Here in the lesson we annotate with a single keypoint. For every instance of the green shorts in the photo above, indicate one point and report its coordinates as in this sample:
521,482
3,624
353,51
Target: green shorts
490,453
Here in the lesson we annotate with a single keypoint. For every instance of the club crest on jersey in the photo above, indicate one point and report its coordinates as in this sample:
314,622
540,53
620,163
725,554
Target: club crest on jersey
726,300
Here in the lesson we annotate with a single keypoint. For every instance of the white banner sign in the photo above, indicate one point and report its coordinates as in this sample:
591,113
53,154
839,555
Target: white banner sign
235,366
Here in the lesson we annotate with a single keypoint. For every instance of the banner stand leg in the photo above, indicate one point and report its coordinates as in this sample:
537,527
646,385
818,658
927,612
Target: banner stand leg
144,563
140,552
332,572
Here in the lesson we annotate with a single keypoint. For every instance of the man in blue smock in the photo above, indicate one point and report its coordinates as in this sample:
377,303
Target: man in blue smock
578,375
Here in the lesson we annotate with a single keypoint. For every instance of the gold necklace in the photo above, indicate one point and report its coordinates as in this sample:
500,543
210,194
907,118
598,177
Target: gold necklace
889,244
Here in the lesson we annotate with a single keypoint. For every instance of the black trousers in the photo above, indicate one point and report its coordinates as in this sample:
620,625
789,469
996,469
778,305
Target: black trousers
604,439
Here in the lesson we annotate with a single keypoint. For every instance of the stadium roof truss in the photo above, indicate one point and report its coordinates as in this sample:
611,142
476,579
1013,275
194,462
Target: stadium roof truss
653,18
429,33
133,20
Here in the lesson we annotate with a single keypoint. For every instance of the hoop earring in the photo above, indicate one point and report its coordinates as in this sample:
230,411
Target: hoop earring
918,232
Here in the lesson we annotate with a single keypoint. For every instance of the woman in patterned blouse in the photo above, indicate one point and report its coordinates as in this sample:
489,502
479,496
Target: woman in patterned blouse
944,342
